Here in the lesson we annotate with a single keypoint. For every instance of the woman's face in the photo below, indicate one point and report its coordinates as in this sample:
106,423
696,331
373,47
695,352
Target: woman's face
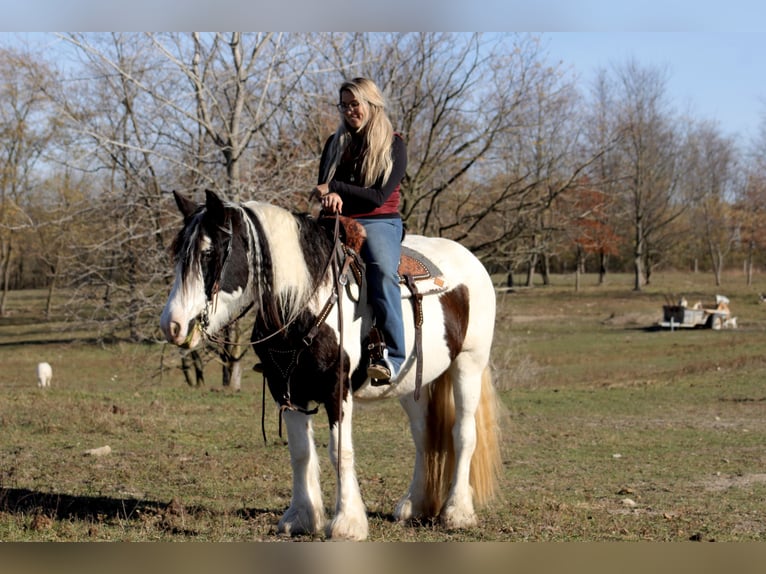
354,111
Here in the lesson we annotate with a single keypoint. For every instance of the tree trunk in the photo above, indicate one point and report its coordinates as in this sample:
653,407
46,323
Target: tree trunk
54,269
236,375
193,368
638,258
531,270
6,260
602,267
545,263
716,261
637,273
579,265
231,357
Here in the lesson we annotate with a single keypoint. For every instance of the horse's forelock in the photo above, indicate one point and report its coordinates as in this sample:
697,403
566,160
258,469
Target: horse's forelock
187,246
265,232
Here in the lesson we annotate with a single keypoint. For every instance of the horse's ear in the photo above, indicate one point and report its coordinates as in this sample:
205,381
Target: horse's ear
214,205
185,205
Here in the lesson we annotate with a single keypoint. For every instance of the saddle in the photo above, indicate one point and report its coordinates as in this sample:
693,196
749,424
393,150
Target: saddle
417,273
413,264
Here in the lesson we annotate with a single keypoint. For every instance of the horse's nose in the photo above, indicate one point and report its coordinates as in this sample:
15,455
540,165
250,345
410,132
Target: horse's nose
175,329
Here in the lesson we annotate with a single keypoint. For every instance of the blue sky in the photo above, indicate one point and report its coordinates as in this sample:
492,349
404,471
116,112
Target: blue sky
718,76
391,15
713,50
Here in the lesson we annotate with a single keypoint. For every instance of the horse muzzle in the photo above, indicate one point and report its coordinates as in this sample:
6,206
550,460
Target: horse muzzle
188,339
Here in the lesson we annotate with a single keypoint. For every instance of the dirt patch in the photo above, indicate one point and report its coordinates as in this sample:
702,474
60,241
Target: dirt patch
720,483
614,319
520,319
631,319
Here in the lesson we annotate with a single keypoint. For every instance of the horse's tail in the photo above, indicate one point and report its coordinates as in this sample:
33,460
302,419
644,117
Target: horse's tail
486,463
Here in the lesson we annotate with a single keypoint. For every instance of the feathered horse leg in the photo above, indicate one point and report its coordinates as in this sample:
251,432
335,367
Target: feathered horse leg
350,520
305,514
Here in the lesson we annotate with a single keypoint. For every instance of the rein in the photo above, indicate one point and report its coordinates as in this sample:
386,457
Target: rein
203,323
340,280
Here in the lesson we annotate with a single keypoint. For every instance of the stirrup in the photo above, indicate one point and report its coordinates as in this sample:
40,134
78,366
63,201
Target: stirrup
382,372
379,374
376,346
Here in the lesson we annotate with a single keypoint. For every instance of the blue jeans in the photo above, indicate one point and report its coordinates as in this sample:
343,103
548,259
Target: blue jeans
381,253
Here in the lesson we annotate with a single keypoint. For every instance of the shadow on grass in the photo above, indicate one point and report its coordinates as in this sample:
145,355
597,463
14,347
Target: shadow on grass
22,500
60,506
72,340
166,516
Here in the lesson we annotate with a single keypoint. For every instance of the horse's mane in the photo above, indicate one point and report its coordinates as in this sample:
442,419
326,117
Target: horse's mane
296,249
289,253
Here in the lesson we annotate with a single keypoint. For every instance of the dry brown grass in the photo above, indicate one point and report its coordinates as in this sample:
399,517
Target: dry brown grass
602,408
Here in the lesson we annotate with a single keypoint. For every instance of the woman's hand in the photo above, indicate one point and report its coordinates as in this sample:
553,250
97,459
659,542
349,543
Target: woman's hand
332,203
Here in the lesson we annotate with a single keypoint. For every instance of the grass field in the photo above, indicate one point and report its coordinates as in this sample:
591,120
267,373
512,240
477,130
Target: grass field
615,430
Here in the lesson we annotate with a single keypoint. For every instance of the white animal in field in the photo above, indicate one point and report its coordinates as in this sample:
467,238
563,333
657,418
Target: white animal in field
44,375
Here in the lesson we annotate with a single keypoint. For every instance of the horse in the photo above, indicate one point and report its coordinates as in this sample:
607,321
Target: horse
234,258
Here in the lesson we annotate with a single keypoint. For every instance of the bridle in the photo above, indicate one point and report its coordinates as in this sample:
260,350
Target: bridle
341,278
340,271
203,319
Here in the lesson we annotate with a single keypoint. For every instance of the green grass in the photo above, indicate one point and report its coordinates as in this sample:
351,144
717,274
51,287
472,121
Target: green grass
601,407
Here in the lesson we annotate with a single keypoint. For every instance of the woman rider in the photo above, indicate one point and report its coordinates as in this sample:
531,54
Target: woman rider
360,173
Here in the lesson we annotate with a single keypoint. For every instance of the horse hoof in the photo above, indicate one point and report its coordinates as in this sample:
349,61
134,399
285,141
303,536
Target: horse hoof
347,529
405,510
295,524
455,519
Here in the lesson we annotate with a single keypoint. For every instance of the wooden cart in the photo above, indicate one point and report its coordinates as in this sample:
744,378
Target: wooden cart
698,316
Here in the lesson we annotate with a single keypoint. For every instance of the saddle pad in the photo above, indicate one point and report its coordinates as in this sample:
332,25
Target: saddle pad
424,271
417,265
426,274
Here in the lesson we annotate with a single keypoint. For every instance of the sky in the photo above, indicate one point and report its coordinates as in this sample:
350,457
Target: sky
715,76
391,15
712,50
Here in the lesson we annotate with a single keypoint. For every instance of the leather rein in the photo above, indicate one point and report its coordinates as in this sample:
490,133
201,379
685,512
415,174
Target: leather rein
340,280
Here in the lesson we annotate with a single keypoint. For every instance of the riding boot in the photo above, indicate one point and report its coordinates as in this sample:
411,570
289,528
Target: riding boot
380,370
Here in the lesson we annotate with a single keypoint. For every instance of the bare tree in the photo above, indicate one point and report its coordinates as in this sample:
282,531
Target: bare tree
750,208
240,83
601,138
750,204
711,180
26,128
181,111
107,112
539,157
59,224
649,155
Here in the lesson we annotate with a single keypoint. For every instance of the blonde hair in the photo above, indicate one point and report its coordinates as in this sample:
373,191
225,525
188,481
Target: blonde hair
377,130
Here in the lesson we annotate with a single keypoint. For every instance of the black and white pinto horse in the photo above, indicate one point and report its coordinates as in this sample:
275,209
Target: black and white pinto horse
231,258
